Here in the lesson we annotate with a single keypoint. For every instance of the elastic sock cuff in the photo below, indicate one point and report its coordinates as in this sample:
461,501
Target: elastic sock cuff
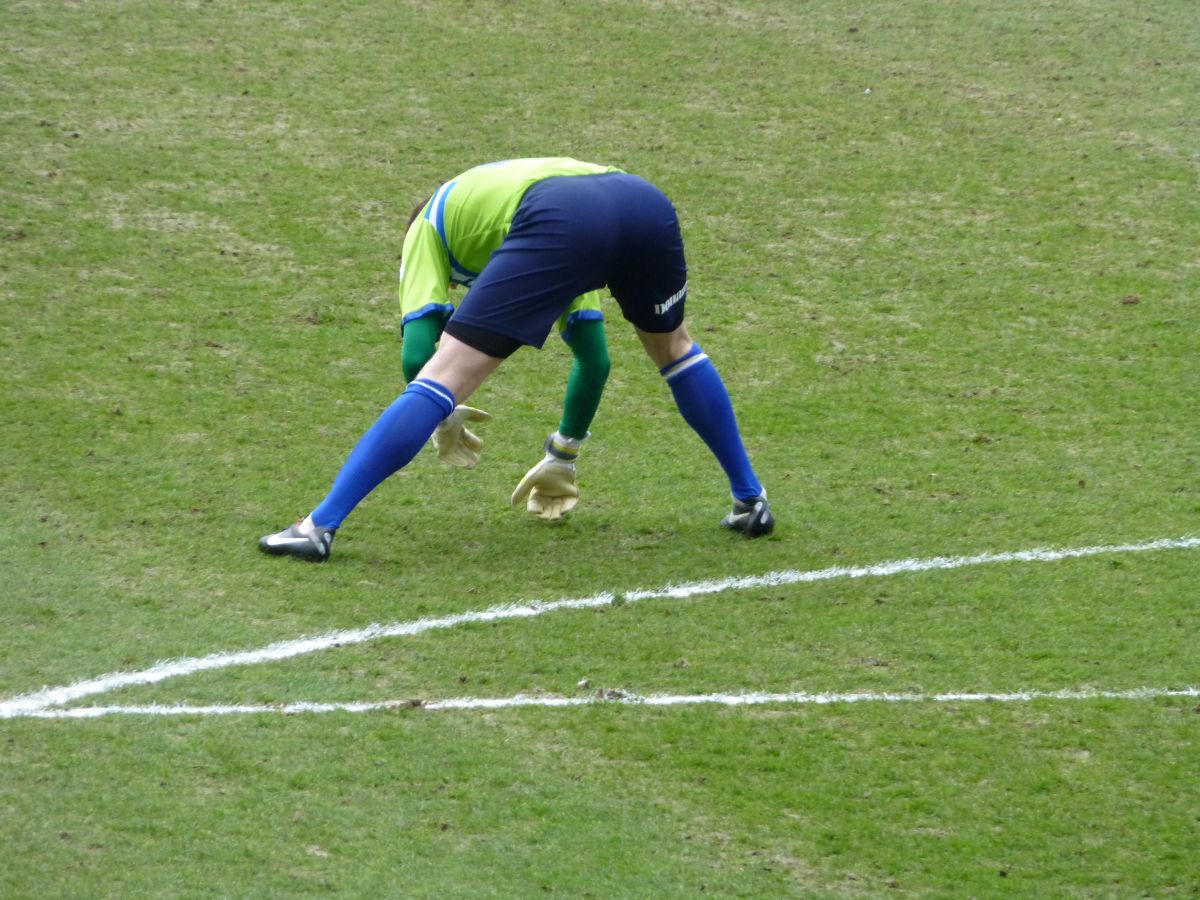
694,357
438,393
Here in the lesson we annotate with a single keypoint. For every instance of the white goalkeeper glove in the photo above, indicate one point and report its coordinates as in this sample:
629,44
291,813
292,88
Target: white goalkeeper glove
550,485
455,443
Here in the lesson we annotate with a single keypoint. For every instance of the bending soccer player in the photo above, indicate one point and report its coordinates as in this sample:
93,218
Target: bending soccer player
530,236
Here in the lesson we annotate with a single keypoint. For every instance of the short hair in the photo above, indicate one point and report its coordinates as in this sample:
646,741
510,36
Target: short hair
412,217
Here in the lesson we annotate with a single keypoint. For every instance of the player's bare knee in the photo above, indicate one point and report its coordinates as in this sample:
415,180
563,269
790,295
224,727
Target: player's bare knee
667,347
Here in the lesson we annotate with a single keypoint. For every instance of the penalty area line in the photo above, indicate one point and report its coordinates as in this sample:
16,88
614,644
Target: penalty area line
58,696
610,698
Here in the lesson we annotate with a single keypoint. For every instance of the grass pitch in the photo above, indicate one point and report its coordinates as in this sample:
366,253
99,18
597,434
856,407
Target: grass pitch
945,257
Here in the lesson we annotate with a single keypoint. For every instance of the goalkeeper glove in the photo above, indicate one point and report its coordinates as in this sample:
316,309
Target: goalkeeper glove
455,443
550,485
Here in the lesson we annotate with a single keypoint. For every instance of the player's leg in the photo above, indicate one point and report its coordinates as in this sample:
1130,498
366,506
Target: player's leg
453,374
651,287
455,371
704,403
461,366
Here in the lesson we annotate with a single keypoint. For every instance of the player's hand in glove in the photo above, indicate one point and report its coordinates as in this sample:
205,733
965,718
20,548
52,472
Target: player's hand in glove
550,485
455,443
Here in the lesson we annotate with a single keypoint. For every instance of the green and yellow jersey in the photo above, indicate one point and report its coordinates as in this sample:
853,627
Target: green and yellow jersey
464,222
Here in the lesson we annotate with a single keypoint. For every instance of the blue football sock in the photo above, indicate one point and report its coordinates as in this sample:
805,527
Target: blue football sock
388,446
702,399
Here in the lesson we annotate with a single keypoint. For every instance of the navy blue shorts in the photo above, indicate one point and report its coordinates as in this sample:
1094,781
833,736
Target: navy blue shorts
577,233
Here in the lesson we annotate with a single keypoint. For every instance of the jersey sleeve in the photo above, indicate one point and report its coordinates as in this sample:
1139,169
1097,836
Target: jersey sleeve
424,273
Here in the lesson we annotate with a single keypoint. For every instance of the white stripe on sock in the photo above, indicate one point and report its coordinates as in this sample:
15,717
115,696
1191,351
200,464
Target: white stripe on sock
684,364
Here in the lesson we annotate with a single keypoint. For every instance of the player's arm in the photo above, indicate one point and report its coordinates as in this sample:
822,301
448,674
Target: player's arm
550,487
589,375
420,337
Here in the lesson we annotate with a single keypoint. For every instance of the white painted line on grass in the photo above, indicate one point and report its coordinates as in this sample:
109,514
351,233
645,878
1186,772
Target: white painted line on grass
57,696
610,698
